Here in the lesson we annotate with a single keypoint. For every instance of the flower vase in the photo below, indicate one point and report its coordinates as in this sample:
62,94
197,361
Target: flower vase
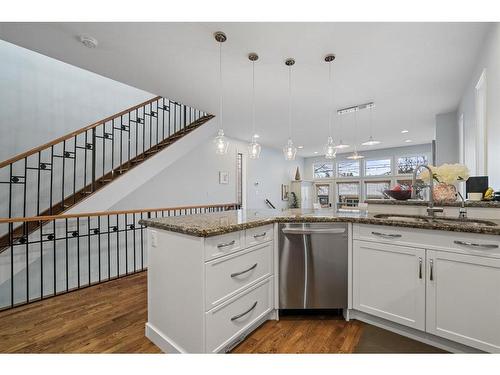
445,193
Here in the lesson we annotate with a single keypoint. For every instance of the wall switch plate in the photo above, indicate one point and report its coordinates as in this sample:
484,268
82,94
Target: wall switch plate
154,239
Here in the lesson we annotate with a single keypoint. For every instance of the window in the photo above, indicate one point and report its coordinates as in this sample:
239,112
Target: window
323,195
378,167
407,164
348,168
323,170
348,194
375,189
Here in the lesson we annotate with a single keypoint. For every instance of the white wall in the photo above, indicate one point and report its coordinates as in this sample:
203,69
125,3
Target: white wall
194,179
447,140
42,98
488,60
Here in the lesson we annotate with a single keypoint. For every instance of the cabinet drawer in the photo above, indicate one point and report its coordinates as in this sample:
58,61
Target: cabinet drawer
254,236
458,242
224,244
227,276
232,318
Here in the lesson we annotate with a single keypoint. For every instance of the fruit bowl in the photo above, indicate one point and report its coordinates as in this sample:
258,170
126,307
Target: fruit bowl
400,195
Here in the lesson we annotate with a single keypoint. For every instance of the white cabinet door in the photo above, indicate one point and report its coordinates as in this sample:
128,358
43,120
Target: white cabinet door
389,282
463,299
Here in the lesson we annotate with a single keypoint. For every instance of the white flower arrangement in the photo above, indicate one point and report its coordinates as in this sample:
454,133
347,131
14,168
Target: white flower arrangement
446,173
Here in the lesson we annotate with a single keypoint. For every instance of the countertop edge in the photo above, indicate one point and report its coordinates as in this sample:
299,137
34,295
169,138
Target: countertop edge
471,204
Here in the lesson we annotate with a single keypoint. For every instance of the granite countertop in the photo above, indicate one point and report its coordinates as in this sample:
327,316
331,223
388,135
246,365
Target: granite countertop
415,202
207,225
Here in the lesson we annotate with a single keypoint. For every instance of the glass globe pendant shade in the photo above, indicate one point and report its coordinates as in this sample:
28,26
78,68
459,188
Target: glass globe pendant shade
289,150
330,150
221,143
254,148
371,142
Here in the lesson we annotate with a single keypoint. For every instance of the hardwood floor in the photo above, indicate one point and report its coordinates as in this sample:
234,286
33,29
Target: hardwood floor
303,334
106,318
110,318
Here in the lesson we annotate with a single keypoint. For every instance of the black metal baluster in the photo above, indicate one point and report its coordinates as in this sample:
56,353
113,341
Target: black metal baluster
185,118
117,246
121,140
10,190
163,120
78,248
136,134
175,117
55,254
112,148
11,242
169,114
150,124
94,149
142,244
38,185
98,232
74,170
85,162
88,243
63,170
67,247
25,236
104,135
143,131
126,245
132,226
109,250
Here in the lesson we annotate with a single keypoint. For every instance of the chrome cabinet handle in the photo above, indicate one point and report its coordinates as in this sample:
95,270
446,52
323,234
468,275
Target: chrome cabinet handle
245,271
431,263
387,235
476,245
259,235
226,244
420,268
244,313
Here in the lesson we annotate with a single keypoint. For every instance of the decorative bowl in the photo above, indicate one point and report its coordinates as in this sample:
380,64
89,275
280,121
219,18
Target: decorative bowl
400,195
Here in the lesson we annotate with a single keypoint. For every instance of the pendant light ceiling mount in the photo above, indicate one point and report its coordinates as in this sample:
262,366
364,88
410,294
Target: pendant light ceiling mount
290,61
220,36
253,56
329,58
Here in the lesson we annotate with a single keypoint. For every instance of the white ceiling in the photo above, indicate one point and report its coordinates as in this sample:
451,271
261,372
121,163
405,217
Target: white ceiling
412,71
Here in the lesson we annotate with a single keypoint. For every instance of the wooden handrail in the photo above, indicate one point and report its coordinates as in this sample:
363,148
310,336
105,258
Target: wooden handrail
106,213
74,133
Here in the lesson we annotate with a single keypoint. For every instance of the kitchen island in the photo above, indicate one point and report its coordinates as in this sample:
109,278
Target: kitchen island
212,278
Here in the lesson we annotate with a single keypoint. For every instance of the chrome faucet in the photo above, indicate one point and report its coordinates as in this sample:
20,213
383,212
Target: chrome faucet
431,210
462,213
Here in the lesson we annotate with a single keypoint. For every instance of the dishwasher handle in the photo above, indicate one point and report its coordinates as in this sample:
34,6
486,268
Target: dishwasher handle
313,231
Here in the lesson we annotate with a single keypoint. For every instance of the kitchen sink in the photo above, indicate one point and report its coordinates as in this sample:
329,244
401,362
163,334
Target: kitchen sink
443,220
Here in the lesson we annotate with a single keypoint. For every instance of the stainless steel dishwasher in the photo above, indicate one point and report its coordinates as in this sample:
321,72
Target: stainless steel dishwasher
313,266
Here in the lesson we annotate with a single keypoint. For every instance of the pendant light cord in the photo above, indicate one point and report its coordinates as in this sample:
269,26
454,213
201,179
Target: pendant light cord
290,102
330,99
253,99
220,86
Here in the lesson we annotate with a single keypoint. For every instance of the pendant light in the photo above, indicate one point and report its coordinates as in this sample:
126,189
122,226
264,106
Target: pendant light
221,142
289,150
355,155
371,141
341,144
253,147
329,149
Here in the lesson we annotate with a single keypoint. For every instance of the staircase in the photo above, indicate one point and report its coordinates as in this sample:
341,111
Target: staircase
54,177
45,251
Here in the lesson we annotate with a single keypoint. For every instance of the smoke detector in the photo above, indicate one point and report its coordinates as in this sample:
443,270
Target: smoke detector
88,41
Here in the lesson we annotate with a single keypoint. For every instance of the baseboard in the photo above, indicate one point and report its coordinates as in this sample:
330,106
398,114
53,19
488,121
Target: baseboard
164,343
412,333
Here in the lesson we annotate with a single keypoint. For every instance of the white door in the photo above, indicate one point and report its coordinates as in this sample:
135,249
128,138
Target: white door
389,282
463,299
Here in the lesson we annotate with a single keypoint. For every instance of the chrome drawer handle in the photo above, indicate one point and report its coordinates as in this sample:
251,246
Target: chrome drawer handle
431,274
420,268
477,245
242,272
244,313
259,235
387,235
226,244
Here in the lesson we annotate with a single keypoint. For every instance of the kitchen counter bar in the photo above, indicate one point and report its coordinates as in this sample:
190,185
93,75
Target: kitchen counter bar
418,202
213,224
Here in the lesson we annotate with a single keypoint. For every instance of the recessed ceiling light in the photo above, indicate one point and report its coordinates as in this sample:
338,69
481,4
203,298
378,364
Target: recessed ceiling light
404,131
88,41
300,147
408,140
256,136
315,152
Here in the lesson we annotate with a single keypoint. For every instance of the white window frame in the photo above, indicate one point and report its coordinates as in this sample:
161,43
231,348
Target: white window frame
334,170
391,173
361,169
396,157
